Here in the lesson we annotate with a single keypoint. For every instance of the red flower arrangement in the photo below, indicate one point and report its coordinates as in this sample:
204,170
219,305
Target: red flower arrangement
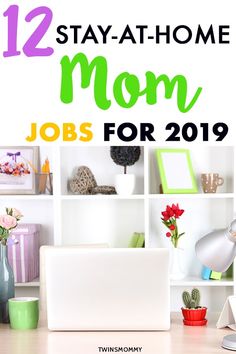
169,219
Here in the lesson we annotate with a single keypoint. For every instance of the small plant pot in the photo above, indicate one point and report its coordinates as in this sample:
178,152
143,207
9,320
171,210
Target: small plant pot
125,184
194,317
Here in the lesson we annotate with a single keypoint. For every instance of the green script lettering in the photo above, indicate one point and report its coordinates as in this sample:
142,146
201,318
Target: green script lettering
182,88
100,78
132,86
124,81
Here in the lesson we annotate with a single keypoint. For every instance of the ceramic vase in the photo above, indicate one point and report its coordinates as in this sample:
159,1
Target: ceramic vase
125,184
7,286
176,268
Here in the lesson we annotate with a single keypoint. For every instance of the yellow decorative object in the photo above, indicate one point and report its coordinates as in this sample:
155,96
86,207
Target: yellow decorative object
46,166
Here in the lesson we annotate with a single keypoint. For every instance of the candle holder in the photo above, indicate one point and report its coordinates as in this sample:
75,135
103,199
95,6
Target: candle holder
44,183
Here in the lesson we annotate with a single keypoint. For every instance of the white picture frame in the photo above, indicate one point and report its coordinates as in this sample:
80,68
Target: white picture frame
18,168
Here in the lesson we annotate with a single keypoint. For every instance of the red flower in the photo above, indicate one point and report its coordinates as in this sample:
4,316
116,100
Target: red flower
168,234
177,211
168,213
165,215
172,227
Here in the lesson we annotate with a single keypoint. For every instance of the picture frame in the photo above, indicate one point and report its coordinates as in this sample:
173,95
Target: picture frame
18,168
176,171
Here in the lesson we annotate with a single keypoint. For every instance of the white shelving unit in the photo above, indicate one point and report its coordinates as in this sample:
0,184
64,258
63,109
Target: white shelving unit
36,209
71,219
31,284
203,213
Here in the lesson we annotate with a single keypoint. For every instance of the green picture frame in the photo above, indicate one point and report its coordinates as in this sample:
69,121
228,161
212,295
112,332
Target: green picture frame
176,171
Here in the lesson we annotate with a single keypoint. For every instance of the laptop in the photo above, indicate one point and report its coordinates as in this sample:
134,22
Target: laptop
107,289
43,290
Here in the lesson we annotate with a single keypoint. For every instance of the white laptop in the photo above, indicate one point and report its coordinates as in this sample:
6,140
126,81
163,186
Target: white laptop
43,290
107,289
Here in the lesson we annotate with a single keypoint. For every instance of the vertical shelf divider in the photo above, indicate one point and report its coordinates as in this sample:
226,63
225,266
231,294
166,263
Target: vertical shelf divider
146,196
57,196
234,216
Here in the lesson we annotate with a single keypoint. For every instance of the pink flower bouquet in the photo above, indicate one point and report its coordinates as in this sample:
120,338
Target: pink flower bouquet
8,222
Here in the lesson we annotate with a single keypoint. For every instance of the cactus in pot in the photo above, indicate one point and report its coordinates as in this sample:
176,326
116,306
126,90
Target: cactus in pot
191,301
194,314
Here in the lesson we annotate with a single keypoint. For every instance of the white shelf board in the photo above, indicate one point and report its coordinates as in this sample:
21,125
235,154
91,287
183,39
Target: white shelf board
103,197
193,281
26,197
34,283
193,196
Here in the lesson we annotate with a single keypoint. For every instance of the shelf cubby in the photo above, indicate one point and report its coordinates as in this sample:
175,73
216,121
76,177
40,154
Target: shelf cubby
36,211
101,221
212,297
100,163
205,159
199,218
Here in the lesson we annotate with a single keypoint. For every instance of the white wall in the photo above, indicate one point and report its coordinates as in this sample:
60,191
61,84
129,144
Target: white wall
101,221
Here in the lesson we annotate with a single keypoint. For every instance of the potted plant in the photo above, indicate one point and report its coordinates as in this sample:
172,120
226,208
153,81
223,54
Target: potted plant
169,218
194,315
125,156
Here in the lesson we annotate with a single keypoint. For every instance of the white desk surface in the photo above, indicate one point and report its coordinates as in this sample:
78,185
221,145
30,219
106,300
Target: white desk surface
180,339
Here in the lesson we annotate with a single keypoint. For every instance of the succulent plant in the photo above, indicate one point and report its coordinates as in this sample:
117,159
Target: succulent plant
191,301
196,296
186,298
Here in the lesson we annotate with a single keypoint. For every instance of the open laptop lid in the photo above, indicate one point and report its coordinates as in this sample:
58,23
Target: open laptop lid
107,289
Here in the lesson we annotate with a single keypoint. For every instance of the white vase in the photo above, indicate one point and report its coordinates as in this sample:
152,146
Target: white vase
176,267
125,184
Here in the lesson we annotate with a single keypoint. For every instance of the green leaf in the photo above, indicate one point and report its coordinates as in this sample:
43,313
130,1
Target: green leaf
9,211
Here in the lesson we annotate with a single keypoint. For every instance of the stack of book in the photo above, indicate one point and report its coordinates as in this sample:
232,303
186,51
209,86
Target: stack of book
137,240
207,274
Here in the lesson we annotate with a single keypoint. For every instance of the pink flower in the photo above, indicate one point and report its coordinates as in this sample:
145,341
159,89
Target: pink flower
8,222
168,234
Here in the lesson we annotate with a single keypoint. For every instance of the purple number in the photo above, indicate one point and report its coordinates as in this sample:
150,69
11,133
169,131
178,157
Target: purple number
30,48
12,14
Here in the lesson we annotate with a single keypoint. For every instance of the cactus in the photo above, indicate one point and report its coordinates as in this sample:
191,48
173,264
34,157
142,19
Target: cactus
191,301
186,298
196,296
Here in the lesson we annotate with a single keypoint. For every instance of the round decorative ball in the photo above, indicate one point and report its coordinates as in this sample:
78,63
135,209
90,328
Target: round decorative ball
125,155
